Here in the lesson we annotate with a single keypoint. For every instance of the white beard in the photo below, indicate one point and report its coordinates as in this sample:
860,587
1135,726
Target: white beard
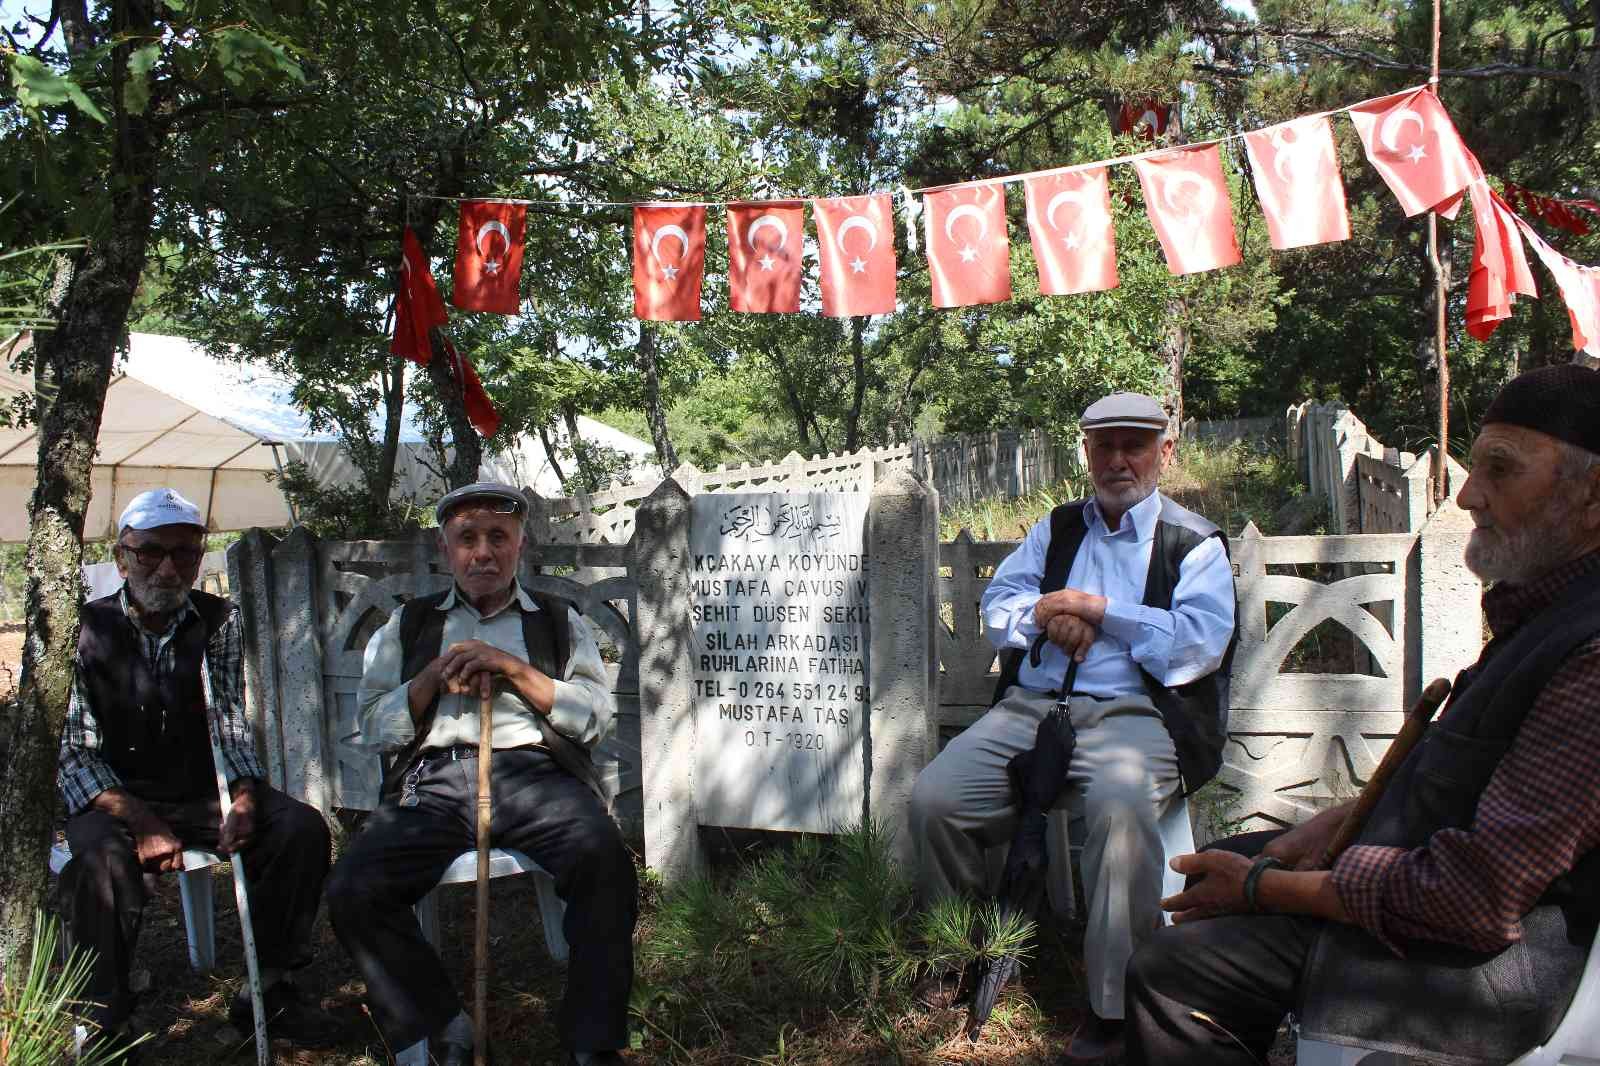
1536,549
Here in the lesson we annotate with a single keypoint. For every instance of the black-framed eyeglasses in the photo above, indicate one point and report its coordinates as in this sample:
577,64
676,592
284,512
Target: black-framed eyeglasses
151,556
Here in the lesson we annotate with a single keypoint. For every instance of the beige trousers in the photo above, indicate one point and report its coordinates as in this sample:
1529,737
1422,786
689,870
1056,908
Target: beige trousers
1123,774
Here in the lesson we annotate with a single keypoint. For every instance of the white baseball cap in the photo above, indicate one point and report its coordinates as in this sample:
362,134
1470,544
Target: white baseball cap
159,507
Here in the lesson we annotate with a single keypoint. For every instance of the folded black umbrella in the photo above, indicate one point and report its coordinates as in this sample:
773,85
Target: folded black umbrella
1038,777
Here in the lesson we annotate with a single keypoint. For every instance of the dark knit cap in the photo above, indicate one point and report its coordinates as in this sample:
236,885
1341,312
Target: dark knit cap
1563,401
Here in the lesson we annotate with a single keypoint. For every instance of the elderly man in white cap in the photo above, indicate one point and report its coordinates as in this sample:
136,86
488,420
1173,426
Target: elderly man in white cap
552,704
139,784
1135,593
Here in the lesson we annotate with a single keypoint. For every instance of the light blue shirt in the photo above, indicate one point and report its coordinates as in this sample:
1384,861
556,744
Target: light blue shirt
1175,647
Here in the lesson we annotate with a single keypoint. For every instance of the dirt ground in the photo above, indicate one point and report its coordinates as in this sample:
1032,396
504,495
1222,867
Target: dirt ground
10,658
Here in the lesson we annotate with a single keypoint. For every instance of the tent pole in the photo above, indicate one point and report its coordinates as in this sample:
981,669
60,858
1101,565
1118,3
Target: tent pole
1441,488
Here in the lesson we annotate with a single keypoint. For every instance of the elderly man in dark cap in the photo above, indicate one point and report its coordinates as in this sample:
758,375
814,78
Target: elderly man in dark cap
551,705
1119,608
1455,928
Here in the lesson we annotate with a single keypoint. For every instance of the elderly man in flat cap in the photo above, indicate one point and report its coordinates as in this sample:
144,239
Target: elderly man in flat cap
1138,593
1456,926
552,704
137,775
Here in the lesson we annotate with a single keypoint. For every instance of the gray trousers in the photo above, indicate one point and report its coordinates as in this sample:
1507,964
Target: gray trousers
1124,772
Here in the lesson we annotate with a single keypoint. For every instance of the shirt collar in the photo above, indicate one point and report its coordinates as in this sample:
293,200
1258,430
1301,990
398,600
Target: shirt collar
1507,607
184,611
453,600
1144,515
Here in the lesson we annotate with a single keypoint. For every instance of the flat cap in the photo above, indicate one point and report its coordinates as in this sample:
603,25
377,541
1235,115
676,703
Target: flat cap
1132,409
496,495
159,507
1561,400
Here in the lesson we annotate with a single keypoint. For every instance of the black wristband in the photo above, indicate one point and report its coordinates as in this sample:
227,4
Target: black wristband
1252,880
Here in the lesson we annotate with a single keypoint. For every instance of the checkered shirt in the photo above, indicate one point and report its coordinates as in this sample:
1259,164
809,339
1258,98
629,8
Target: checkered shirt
1539,814
83,773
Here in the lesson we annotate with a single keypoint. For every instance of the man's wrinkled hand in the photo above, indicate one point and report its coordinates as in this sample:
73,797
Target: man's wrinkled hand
239,828
464,665
158,848
1301,848
1072,635
1085,605
1218,891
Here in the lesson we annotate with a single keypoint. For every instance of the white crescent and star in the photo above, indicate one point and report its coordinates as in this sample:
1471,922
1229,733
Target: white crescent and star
968,252
668,271
858,265
1389,132
1090,213
766,261
491,265
1194,217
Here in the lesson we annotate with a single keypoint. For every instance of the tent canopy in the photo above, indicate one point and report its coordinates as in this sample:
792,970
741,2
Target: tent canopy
176,417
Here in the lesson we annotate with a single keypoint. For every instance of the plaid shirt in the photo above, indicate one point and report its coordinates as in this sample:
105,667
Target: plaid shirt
83,774
1539,814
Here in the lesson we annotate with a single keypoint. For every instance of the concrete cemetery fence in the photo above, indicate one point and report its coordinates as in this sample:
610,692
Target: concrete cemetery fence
1296,738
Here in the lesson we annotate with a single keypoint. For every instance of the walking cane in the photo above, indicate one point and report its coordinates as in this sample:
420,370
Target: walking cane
241,894
480,999
1416,724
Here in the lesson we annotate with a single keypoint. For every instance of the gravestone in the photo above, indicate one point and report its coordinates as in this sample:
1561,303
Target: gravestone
778,606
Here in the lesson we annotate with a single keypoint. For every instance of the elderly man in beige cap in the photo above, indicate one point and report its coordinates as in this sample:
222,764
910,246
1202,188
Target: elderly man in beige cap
1136,593
139,784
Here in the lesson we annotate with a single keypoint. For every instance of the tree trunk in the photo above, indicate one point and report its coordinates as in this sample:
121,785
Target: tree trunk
589,477
797,407
468,454
394,398
858,354
666,455
72,370
1174,349
555,463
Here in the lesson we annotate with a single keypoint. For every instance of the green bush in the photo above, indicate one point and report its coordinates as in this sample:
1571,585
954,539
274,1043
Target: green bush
38,1019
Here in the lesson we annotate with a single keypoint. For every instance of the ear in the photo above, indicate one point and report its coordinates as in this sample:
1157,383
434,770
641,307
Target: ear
116,557
1168,448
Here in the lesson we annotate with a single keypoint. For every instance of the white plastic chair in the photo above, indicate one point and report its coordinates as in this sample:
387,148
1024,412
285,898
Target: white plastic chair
503,862
199,903
1576,1041
1177,838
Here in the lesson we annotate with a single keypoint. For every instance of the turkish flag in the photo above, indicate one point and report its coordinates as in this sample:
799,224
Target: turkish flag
480,409
1413,144
1297,181
969,254
1187,200
1580,290
1146,120
1499,263
855,236
1069,223
489,256
669,261
417,307
764,256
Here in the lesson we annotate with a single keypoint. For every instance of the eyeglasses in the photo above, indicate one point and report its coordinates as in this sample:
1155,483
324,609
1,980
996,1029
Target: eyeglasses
151,556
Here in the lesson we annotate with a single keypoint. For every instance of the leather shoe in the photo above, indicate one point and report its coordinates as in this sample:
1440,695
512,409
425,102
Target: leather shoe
289,1017
1096,1041
940,991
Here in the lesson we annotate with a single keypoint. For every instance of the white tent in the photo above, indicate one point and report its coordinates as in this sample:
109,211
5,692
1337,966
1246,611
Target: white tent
176,417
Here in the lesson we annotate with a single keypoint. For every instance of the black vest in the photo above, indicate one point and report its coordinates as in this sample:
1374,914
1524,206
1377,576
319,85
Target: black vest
1195,714
153,733
1444,1002
547,635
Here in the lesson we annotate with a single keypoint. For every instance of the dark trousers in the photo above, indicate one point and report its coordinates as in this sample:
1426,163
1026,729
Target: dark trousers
1241,972
400,854
103,890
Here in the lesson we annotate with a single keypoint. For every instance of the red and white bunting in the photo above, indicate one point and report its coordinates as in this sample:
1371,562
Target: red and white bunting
669,261
764,256
1415,148
1069,225
1297,180
489,256
1187,199
969,252
855,239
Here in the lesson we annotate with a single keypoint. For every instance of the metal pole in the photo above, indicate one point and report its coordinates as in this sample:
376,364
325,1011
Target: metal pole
241,894
1441,488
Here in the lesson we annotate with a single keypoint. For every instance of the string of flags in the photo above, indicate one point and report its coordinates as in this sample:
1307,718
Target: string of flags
1407,137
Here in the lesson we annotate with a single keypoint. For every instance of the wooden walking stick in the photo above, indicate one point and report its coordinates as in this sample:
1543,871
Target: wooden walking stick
241,894
1416,724
480,1004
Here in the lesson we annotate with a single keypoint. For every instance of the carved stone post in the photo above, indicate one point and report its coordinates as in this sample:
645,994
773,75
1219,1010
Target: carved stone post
666,700
902,596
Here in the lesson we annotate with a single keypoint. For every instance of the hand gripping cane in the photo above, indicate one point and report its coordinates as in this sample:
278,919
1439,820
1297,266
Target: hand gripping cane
241,894
480,997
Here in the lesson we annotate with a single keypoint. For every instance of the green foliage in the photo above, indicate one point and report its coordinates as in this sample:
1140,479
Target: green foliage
38,1016
348,512
831,916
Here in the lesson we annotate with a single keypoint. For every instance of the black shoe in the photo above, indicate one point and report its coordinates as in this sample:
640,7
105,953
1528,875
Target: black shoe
289,1017
600,1058
941,991
1096,1041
